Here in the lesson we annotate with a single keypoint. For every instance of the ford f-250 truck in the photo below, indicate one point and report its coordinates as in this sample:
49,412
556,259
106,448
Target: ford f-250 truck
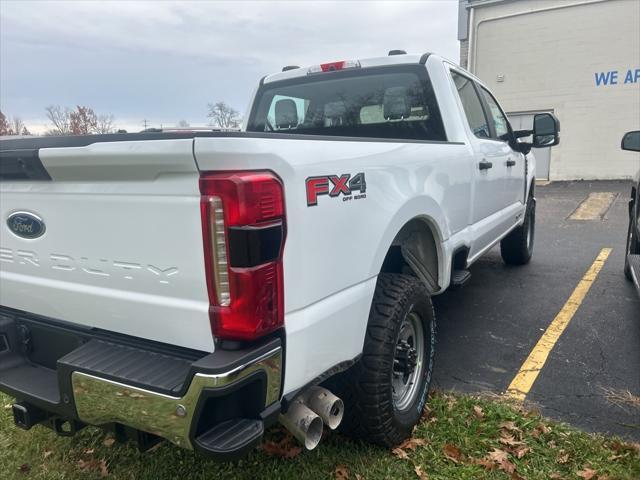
201,286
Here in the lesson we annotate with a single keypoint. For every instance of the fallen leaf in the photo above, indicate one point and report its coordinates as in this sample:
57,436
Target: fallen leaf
283,448
400,453
510,426
521,452
485,462
94,465
412,443
426,413
421,475
452,452
477,411
108,442
498,455
501,458
8,406
555,476
451,401
341,472
507,466
517,476
621,447
562,458
47,453
539,430
509,440
359,477
89,451
24,468
587,473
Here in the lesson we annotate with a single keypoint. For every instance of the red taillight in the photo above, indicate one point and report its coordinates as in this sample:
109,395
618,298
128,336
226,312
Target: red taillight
243,224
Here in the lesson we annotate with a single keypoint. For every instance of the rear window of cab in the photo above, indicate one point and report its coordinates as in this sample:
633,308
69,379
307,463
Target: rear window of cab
381,102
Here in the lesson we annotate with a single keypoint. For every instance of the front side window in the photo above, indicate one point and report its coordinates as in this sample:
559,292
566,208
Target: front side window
498,118
472,106
396,103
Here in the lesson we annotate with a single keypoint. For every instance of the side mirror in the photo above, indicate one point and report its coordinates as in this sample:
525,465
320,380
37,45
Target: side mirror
546,130
631,141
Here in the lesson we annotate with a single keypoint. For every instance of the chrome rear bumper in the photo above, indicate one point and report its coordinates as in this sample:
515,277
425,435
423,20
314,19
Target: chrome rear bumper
217,404
100,401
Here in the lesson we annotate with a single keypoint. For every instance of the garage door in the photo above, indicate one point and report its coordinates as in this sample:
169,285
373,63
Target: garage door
524,121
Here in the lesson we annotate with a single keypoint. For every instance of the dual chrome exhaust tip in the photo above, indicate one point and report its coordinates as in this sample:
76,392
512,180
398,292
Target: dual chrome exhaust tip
309,412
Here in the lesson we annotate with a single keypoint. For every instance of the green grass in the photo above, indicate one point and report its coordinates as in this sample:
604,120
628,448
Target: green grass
548,450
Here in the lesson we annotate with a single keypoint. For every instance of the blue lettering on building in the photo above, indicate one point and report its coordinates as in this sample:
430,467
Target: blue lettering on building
611,77
632,76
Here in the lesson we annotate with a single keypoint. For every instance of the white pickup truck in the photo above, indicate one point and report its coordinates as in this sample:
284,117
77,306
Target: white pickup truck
201,286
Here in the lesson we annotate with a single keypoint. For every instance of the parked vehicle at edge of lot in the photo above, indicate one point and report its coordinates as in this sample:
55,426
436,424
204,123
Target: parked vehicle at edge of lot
200,286
631,142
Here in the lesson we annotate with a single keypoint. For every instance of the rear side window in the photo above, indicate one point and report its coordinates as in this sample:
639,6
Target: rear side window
472,106
498,118
390,103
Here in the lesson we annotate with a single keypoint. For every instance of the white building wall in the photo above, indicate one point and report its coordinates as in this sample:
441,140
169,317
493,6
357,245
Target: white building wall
548,58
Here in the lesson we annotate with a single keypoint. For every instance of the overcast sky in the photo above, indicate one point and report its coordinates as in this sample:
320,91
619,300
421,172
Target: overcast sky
164,61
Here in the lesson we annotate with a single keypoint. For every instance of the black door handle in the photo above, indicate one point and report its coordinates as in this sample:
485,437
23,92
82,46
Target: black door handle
484,165
511,163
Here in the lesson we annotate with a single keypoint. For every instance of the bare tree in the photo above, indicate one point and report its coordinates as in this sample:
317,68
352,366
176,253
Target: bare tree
183,124
5,127
18,126
60,118
80,121
13,126
104,124
223,115
83,121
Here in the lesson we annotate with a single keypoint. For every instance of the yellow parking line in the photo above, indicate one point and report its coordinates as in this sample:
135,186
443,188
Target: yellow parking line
526,376
594,207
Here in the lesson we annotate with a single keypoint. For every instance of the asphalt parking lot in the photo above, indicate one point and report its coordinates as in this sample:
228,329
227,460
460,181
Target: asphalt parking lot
487,329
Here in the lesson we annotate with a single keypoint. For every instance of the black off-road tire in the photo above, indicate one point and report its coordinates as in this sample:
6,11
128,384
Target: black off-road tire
366,388
633,247
517,247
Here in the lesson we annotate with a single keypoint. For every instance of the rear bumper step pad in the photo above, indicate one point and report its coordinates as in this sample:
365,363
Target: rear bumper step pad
215,403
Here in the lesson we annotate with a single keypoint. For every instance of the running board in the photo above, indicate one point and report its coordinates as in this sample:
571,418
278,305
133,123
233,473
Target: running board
459,278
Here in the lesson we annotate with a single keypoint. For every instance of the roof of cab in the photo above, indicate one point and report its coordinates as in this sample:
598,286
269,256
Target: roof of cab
364,63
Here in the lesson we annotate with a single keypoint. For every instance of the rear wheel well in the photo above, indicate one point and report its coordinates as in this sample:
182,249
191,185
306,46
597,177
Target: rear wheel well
414,250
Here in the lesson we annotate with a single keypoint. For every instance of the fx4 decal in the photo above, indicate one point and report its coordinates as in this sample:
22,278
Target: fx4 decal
334,186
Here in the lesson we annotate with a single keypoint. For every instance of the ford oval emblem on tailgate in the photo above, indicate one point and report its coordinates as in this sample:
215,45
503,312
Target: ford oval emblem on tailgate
25,224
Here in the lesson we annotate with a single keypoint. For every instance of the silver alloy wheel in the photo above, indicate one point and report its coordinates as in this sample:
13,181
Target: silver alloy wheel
408,362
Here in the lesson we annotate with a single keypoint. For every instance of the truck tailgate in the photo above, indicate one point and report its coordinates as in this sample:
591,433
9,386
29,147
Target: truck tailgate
122,245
